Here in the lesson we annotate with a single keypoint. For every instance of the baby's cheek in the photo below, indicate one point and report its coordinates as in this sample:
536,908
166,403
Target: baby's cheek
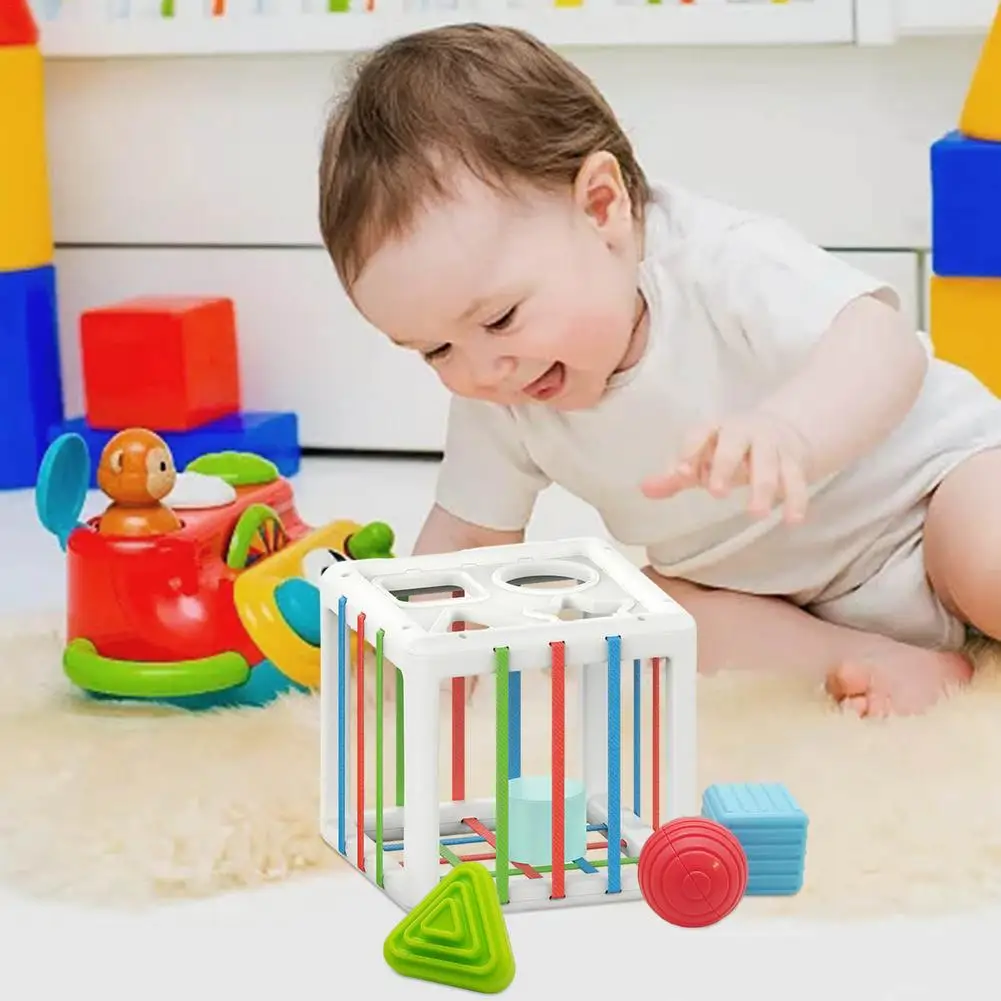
452,381
596,336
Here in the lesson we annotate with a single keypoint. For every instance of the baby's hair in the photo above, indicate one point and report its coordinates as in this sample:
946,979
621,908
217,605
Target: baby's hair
493,100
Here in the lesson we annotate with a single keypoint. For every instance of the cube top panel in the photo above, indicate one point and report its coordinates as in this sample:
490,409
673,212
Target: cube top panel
579,588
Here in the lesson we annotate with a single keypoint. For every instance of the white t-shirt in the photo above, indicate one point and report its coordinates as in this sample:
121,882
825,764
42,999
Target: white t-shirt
736,303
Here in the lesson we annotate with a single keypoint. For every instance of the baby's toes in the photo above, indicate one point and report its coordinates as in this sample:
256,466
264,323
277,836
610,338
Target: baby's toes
858,704
849,680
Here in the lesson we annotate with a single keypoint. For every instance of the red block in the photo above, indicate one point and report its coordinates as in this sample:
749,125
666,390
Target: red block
167,364
17,24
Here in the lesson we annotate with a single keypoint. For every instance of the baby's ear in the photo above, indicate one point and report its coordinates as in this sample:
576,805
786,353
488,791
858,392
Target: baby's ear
601,193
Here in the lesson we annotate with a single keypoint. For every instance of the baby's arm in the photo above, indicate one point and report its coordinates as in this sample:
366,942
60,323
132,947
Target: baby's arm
836,364
487,484
443,532
856,385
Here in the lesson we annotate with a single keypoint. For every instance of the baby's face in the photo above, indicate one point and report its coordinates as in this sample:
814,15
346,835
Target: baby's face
515,300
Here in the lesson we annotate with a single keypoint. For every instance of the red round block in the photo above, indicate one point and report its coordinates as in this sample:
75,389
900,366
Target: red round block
692,872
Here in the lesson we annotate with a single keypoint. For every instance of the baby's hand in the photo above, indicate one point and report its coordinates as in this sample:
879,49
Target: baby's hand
756,450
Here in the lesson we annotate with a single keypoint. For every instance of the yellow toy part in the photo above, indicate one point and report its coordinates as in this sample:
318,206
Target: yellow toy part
25,216
981,117
254,596
966,325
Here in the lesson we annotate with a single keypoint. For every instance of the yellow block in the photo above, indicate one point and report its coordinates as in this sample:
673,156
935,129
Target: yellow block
981,117
966,325
25,216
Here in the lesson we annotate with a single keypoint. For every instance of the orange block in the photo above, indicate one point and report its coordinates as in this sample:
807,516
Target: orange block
167,364
966,325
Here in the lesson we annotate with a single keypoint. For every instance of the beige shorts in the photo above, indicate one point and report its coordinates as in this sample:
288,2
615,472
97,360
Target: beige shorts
898,601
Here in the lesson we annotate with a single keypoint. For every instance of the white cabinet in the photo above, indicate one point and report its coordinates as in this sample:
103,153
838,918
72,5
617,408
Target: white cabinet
198,174
225,151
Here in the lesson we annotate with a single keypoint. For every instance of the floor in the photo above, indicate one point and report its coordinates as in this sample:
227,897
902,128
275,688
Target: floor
323,935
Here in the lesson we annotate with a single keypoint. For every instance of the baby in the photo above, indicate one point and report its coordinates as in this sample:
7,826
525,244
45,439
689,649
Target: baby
807,480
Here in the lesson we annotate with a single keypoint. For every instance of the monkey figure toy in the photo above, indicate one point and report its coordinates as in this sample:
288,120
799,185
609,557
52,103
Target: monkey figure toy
137,471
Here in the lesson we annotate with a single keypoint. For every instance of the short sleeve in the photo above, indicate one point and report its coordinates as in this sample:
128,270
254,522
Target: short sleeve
487,477
773,294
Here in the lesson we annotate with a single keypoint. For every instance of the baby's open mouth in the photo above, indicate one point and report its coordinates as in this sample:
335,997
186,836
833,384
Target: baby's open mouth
549,383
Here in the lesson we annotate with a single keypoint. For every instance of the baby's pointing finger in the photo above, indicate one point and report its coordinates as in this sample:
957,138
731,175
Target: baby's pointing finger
731,447
682,477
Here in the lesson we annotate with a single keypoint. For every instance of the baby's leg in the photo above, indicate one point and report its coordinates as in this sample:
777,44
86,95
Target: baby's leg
962,542
769,634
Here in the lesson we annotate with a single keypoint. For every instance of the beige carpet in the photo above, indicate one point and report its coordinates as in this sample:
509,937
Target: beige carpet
126,807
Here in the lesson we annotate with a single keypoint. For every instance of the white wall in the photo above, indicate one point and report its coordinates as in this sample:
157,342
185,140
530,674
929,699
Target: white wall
198,175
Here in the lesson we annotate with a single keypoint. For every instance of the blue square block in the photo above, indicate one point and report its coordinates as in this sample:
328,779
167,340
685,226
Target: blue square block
966,207
771,829
31,390
273,436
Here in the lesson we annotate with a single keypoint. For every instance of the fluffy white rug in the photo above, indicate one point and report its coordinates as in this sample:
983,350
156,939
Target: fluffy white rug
123,807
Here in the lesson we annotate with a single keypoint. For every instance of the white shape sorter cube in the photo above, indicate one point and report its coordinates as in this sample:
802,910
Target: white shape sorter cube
574,606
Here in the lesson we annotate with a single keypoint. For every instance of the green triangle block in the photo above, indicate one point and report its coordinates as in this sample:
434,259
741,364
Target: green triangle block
468,938
444,923
456,935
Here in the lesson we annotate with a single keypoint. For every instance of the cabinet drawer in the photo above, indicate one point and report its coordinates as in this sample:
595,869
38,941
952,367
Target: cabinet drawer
303,346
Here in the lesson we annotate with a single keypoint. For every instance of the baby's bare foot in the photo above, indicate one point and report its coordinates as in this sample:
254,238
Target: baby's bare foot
904,681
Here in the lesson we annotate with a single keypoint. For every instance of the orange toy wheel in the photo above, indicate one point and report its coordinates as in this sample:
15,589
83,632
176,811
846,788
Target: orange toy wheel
258,533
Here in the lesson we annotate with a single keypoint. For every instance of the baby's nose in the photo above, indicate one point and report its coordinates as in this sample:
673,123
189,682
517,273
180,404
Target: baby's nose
493,371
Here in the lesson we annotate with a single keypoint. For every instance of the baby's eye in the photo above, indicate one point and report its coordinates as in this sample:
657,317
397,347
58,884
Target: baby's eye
503,322
437,353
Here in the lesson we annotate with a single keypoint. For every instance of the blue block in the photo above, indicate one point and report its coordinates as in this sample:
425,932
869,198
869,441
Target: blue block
273,436
770,827
966,207
31,391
